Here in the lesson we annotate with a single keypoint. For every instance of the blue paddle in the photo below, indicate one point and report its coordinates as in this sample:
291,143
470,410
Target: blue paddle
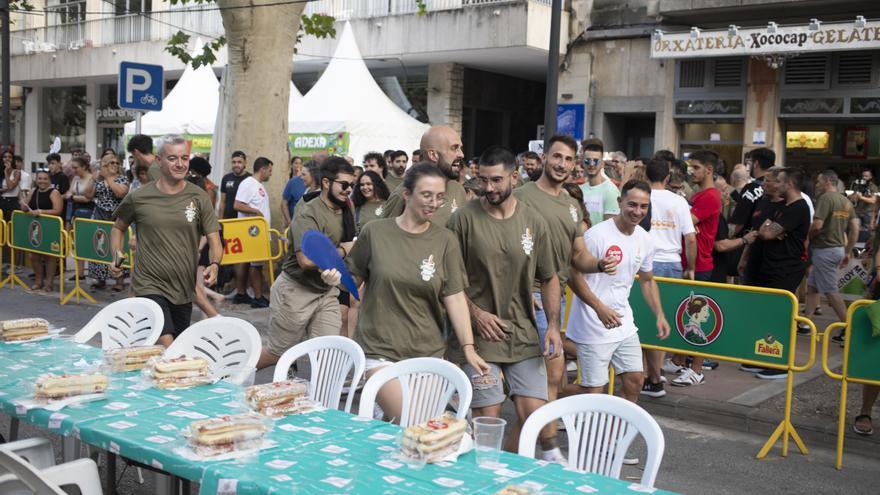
321,250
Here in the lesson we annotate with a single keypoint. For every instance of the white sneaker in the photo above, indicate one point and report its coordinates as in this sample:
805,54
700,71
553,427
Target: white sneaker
571,366
554,455
687,378
672,368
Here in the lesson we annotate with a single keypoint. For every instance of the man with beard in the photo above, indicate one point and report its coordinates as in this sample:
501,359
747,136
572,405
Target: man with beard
302,304
141,148
600,194
531,167
396,170
564,228
228,190
506,248
441,146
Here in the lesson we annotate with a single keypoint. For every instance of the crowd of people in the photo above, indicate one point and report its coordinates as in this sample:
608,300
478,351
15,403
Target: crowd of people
469,260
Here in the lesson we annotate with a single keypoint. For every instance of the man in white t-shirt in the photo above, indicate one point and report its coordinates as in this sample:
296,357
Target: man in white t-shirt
601,321
600,194
671,222
252,200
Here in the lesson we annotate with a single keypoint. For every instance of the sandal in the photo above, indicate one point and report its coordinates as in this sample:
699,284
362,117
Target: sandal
117,288
864,432
97,285
36,287
47,288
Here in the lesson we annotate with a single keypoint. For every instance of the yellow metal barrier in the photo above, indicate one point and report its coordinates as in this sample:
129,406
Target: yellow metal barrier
2,240
845,376
38,235
248,240
89,240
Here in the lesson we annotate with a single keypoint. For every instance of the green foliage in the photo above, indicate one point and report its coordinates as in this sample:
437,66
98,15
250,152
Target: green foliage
177,47
423,7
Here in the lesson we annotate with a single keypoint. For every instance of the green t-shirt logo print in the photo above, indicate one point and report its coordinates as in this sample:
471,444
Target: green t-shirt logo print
428,268
191,212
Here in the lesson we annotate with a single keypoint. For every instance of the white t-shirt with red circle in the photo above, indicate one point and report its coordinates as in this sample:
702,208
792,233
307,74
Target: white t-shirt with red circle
252,193
636,254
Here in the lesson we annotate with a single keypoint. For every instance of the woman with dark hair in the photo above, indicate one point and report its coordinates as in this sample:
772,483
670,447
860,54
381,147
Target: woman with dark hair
44,199
9,184
406,295
370,194
308,181
575,192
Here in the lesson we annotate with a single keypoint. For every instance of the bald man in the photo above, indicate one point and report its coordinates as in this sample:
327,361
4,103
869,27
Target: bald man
441,146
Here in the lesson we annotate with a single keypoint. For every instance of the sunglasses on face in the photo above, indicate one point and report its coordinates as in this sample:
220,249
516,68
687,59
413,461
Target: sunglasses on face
345,185
595,162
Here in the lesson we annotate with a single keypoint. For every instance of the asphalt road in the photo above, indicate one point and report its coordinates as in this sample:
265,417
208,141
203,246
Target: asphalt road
698,459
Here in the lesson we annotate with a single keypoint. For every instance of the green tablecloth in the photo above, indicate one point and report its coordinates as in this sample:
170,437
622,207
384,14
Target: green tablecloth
325,451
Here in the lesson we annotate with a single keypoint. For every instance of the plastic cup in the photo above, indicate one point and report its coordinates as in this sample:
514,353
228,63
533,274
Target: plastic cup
488,435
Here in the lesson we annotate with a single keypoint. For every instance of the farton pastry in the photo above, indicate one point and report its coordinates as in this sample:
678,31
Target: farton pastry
514,490
278,398
24,329
435,439
179,372
223,434
59,386
132,358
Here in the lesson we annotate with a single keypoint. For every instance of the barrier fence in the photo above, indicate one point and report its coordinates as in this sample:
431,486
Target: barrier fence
736,323
91,242
2,242
250,240
42,234
861,360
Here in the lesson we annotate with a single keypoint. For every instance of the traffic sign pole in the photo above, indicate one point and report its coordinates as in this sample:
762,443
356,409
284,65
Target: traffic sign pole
137,123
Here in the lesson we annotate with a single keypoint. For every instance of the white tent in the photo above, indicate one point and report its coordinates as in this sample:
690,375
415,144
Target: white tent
190,108
347,99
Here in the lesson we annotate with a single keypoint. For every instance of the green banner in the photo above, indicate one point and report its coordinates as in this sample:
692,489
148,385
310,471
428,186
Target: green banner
91,241
727,321
40,234
300,144
864,348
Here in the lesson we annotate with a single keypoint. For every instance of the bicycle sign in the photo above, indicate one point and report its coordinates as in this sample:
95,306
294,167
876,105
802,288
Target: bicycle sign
141,86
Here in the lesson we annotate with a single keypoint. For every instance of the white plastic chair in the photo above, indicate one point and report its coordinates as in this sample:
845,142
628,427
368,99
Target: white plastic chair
332,358
125,323
18,474
427,384
229,344
600,430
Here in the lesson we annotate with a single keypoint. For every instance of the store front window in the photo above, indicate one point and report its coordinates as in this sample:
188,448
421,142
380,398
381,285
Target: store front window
724,138
847,147
64,116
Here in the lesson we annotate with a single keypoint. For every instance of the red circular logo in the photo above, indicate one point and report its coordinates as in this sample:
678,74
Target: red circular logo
615,252
699,320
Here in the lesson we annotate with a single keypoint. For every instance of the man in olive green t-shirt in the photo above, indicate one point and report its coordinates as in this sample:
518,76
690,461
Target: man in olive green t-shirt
172,215
302,304
441,146
833,234
505,249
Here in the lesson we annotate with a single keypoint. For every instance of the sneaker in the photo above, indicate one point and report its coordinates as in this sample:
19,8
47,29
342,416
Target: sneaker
688,377
672,368
772,375
817,312
260,302
653,389
839,337
709,365
662,379
555,456
242,299
631,461
750,368
803,329
571,366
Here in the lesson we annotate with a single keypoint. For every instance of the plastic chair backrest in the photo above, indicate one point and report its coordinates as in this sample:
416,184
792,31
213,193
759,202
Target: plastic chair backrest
224,341
427,384
125,323
27,474
332,358
600,430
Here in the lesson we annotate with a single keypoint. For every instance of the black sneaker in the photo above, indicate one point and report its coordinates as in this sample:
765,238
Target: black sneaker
260,302
653,389
709,365
242,299
750,368
772,375
839,338
803,329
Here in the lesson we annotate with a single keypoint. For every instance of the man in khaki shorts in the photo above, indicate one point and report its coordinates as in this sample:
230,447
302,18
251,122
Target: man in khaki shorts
302,304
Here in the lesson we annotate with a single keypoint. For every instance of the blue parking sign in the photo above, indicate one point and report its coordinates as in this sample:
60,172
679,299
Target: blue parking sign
141,86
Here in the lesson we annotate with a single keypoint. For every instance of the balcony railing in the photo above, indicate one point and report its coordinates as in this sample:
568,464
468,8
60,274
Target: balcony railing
160,26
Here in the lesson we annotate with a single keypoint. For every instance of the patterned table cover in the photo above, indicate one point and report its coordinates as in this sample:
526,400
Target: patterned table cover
326,451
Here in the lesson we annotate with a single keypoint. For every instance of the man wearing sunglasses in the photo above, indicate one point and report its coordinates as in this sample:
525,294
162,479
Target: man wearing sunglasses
600,194
252,200
302,305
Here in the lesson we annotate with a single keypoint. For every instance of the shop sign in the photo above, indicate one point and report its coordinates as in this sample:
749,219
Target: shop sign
824,37
114,114
304,144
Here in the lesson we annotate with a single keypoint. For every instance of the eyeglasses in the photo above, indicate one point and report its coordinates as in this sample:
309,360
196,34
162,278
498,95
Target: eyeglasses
345,185
592,161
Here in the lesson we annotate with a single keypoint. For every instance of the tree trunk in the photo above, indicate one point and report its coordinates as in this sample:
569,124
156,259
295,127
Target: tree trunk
260,45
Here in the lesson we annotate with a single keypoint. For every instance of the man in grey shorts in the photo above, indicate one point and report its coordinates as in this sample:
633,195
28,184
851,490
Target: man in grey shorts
505,248
833,233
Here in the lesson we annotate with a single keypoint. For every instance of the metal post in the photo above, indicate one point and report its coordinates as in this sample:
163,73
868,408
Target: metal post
4,74
552,72
137,123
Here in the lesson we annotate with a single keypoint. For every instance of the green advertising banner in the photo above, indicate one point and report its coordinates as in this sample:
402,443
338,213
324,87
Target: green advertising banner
300,144
864,348
725,321
40,234
91,241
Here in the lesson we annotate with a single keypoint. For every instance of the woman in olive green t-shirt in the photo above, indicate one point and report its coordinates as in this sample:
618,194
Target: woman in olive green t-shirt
370,194
413,270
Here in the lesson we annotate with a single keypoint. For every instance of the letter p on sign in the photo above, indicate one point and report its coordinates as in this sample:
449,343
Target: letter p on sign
141,86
